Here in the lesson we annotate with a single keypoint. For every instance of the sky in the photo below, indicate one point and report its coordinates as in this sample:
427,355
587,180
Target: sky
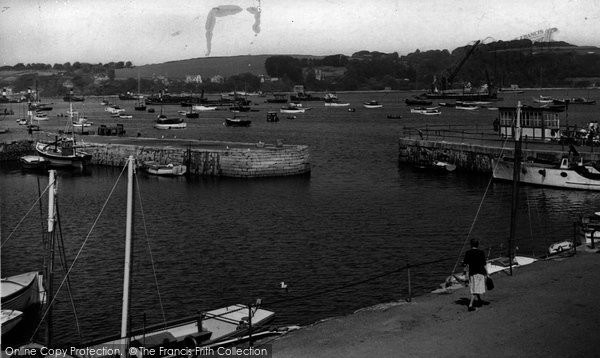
156,31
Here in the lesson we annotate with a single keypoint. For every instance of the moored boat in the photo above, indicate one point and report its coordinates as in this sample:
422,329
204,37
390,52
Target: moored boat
20,292
564,175
63,152
170,169
170,123
433,111
237,122
417,102
372,104
293,108
34,162
9,319
202,108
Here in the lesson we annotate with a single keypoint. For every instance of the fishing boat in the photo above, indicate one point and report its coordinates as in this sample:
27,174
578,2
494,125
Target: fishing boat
170,123
63,152
9,319
237,121
372,105
21,292
155,168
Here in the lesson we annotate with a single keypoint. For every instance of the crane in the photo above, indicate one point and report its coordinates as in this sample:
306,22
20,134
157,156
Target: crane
446,81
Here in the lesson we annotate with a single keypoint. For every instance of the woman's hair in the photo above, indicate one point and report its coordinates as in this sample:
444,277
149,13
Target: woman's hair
474,243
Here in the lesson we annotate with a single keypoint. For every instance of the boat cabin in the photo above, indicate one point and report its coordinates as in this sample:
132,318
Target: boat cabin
536,123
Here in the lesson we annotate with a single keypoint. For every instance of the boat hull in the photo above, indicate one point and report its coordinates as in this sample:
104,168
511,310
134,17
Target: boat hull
170,125
545,175
10,318
210,329
20,292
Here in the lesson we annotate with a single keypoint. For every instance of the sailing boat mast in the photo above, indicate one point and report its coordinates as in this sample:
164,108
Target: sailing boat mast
50,249
127,270
515,191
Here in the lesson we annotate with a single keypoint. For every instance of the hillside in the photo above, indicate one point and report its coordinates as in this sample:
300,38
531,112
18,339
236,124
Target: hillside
204,66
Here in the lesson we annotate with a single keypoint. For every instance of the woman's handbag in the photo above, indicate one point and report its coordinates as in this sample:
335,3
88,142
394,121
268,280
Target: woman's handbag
489,283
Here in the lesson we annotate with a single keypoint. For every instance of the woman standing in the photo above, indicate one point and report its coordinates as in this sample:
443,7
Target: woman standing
475,262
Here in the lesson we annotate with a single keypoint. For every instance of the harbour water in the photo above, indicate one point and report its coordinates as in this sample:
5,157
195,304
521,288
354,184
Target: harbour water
218,241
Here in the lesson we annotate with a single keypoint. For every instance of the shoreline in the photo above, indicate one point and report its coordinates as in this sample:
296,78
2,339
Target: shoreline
521,319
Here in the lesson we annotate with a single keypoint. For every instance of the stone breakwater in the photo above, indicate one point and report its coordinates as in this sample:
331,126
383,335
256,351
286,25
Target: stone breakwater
239,160
478,157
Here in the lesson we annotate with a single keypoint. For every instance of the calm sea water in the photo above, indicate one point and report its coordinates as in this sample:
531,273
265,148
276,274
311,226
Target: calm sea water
218,241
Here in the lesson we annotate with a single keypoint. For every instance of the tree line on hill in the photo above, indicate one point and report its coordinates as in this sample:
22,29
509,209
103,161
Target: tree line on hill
554,64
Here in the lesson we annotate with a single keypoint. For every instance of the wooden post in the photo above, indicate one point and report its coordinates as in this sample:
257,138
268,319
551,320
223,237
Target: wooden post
409,298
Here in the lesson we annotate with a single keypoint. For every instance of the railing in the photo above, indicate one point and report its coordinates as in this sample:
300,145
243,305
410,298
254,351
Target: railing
485,135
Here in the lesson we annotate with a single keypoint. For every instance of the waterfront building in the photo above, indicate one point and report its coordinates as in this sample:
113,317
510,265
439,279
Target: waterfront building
536,123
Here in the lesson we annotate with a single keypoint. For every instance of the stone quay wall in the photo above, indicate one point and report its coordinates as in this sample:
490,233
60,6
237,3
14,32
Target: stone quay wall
478,157
240,160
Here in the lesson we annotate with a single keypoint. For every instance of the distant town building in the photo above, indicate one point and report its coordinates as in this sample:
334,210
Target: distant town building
329,72
160,79
193,79
101,77
217,79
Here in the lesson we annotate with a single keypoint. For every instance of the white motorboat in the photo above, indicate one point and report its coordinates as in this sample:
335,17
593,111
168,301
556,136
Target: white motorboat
170,169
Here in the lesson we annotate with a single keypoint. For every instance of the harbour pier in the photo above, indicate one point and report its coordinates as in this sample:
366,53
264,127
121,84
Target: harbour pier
473,151
203,158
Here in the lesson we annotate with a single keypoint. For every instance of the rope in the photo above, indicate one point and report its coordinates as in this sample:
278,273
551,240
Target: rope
63,261
351,284
77,256
23,218
162,310
478,210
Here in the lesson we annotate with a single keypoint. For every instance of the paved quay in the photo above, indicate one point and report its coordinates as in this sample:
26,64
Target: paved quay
546,309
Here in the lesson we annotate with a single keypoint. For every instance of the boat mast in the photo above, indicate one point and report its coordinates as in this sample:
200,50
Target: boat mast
515,191
50,247
127,269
